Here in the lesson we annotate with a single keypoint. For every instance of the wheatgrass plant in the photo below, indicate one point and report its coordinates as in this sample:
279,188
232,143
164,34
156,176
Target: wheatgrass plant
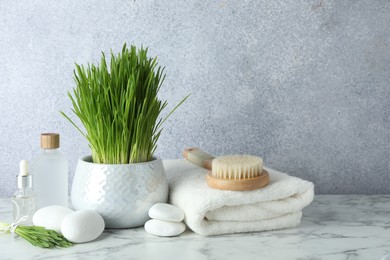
118,106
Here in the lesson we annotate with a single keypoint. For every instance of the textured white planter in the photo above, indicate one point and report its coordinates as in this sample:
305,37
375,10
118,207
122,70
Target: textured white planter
121,193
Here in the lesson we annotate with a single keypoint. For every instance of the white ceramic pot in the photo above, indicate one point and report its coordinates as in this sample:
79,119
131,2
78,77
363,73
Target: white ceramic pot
121,193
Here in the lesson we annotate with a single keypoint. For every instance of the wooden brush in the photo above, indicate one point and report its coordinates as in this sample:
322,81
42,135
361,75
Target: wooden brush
232,172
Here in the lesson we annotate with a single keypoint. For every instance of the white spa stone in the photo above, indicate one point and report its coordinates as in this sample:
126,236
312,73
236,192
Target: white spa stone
82,226
167,212
164,228
51,217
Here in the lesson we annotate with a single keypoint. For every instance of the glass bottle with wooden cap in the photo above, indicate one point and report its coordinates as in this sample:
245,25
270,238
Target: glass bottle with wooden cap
51,173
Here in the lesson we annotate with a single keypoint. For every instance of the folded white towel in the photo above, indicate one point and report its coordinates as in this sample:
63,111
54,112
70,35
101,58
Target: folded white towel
214,212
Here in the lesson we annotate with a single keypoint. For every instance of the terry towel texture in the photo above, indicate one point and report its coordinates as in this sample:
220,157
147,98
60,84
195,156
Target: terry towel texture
215,212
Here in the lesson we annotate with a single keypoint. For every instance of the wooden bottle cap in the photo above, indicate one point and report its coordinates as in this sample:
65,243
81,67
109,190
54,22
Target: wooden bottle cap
50,140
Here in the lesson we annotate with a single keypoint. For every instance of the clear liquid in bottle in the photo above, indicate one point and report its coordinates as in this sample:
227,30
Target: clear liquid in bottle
24,200
51,174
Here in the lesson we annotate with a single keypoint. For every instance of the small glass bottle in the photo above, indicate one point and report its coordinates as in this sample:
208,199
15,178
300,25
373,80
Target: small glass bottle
51,173
24,201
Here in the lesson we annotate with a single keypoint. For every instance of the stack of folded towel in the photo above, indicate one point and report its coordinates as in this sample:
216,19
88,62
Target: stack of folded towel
214,212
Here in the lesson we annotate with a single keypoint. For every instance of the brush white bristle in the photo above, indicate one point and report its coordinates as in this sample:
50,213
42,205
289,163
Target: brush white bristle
237,167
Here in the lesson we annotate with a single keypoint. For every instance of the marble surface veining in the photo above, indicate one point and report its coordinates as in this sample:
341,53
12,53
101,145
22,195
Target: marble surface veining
336,227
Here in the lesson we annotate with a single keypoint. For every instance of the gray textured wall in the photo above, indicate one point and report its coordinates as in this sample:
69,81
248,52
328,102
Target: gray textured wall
304,84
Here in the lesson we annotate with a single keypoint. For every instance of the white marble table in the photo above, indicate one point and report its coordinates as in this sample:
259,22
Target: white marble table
333,227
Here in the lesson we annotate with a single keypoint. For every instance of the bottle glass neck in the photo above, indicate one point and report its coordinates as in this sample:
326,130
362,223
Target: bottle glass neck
50,150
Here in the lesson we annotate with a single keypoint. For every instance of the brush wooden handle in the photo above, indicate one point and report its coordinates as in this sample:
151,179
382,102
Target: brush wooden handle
239,184
198,157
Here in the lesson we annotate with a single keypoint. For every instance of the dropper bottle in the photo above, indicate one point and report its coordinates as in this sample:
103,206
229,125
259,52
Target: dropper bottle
24,203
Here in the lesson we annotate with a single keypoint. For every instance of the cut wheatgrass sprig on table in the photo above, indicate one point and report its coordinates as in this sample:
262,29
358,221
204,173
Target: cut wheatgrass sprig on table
37,236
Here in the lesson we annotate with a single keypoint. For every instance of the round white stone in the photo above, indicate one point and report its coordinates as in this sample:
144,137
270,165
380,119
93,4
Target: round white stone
51,217
82,226
164,228
167,212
